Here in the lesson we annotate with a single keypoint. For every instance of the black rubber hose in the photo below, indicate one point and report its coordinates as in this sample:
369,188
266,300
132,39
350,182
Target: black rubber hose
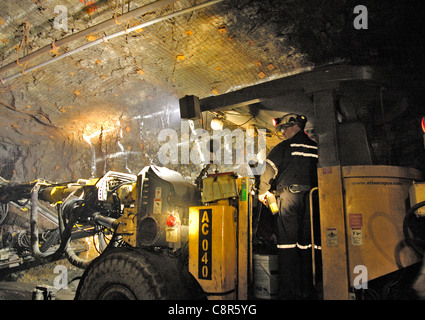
406,227
65,232
52,238
68,209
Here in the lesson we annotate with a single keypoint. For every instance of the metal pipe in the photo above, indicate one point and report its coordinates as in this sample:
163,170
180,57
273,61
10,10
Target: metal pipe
313,245
107,222
97,28
111,36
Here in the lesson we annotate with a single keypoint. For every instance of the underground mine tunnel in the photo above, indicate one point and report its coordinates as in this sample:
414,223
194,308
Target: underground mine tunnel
136,137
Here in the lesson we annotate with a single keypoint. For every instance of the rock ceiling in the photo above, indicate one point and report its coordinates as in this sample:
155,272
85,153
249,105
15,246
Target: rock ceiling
217,49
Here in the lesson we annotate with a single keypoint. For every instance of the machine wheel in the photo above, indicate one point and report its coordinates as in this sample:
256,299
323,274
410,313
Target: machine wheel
135,274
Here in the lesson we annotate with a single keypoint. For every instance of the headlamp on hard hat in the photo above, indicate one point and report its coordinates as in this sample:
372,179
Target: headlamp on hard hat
290,120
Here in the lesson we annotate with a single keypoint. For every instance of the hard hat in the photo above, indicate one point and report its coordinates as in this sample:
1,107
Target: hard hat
290,120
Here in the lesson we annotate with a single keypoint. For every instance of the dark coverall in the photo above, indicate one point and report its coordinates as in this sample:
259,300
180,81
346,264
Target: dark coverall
291,167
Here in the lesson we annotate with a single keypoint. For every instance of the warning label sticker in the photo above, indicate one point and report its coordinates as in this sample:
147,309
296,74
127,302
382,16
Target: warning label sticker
356,228
356,236
332,237
356,220
157,206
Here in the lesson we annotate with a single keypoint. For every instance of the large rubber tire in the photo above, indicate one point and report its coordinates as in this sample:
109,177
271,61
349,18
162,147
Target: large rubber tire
135,274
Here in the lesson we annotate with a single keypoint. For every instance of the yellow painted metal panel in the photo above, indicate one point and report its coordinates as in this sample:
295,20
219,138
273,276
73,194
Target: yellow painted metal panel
126,226
244,238
332,224
375,200
212,249
417,194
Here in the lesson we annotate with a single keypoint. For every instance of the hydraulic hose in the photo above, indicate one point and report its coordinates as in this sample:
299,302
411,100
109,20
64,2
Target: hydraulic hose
65,232
406,227
72,209
37,254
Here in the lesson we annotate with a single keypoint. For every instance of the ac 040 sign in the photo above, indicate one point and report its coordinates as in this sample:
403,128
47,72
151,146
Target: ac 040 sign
205,244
